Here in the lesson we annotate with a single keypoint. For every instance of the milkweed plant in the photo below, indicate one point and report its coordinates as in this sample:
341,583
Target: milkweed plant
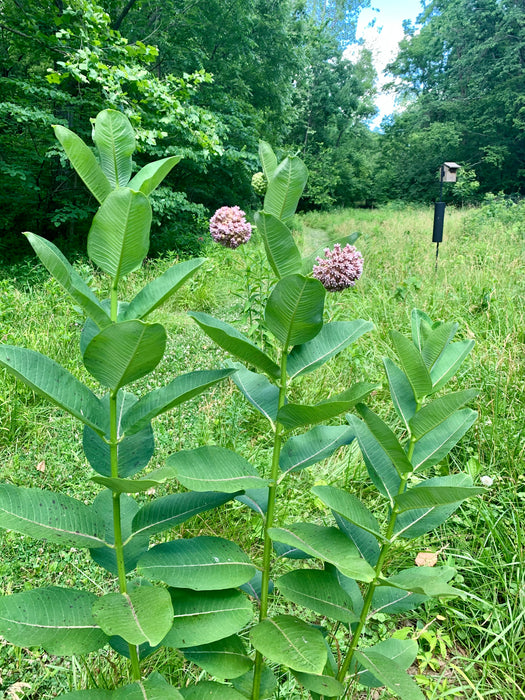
203,595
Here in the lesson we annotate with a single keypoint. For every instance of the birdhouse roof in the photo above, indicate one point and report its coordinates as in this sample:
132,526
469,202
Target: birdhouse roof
452,166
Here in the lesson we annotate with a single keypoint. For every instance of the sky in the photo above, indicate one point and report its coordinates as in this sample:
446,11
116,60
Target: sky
383,39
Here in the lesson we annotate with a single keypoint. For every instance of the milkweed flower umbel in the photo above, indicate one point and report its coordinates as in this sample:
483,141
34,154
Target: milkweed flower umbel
229,227
340,268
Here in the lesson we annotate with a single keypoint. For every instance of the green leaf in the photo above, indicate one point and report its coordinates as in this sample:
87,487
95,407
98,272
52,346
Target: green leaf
285,188
58,619
314,446
58,266
229,339
294,310
199,563
206,616
83,160
268,159
402,652
214,468
115,141
425,580
332,339
281,250
156,292
379,465
124,352
326,686
134,547
286,640
390,600
244,684
436,341
118,485
296,415
401,392
436,444
118,240
421,327
449,362
211,690
258,390
317,590
225,658
134,451
181,389
350,507
437,411
413,365
387,439
155,688
56,384
151,175
328,544
256,499
414,523
45,515
433,496
94,694
365,542
144,615
168,511
389,674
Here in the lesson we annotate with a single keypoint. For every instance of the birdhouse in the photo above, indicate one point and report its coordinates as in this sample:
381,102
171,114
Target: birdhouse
449,171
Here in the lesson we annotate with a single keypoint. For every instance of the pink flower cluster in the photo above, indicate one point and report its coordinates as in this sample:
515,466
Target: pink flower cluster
229,227
340,268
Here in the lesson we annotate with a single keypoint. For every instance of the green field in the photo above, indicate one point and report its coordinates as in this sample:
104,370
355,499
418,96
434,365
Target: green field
469,648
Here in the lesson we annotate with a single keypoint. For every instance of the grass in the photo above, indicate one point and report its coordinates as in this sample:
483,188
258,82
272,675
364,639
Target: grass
479,281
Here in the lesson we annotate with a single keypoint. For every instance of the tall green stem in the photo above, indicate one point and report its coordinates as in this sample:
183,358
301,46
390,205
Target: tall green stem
117,529
383,554
268,523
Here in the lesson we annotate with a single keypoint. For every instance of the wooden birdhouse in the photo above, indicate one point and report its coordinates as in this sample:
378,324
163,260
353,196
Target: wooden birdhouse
449,171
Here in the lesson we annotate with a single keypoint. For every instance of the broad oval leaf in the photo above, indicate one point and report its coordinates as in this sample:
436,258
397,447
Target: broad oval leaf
58,619
437,411
151,175
297,415
155,688
314,446
281,249
436,341
50,516
434,496
294,310
449,362
413,365
401,651
124,352
118,240
166,512
436,444
387,439
84,161
229,339
350,507
211,690
289,641
181,389
285,188
425,580
324,686
366,543
244,684
332,339
56,384
160,289
58,266
206,616
199,563
390,674
134,451
328,544
401,392
258,390
225,658
268,159
143,615
317,590
214,468
115,142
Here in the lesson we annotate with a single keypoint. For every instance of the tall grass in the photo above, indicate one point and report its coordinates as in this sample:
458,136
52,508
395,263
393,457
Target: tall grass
479,281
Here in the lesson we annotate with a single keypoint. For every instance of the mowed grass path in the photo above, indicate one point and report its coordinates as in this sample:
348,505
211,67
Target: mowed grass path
479,282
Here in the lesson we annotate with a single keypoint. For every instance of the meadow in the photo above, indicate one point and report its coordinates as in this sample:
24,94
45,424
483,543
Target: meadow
469,648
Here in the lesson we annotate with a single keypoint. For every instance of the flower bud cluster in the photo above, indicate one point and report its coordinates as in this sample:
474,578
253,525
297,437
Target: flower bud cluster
340,268
229,227
259,184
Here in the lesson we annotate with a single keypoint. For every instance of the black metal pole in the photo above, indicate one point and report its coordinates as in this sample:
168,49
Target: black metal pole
439,216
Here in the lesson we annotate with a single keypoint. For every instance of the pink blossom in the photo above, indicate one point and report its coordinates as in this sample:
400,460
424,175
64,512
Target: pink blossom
229,227
340,268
